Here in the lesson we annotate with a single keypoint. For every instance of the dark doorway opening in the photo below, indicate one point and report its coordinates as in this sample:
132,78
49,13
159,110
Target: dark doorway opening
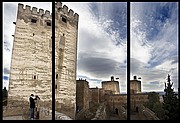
116,111
137,109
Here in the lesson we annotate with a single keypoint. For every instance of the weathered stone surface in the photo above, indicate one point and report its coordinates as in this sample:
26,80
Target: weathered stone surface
13,118
31,65
82,95
31,59
111,85
66,56
15,108
101,113
135,86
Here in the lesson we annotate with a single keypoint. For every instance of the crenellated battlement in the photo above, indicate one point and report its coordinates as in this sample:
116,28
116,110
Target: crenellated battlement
34,10
65,11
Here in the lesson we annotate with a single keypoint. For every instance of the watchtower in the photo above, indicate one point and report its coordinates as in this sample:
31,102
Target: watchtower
66,35
111,85
30,71
31,64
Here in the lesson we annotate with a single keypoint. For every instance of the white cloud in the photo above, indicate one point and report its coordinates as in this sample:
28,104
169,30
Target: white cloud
156,56
140,49
94,42
166,65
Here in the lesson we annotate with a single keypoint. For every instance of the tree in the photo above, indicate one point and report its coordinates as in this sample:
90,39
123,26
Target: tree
171,103
156,106
153,98
160,111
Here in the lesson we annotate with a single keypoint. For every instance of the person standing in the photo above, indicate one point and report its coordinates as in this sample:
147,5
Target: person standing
32,106
37,107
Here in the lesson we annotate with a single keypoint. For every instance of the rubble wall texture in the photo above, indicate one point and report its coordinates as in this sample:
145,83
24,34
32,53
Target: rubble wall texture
111,85
30,71
66,34
31,63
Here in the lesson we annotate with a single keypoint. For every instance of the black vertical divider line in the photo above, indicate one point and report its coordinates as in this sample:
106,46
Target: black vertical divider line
53,60
178,53
2,67
128,60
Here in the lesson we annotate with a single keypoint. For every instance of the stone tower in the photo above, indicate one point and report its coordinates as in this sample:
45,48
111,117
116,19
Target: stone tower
30,71
111,85
82,95
66,34
135,86
31,64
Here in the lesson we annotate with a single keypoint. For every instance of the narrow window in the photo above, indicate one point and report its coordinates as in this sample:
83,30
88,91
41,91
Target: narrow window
34,76
56,86
33,20
48,23
64,20
56,76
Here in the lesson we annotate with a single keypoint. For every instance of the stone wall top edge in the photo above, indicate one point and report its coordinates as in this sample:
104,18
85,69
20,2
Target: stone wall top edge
66,10
110,82
33,10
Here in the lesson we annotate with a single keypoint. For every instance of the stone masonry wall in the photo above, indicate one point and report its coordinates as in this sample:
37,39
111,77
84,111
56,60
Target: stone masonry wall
82,95
66,30
30,70
111,85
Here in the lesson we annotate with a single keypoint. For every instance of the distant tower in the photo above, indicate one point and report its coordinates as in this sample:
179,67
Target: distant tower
111,85
135,85
30,71
66,35
82,95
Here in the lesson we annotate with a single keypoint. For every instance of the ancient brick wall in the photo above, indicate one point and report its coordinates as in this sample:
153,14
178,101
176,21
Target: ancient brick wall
82,95
66,34
94,96
116,101
135,86
30,70
111,85
31,65
137,100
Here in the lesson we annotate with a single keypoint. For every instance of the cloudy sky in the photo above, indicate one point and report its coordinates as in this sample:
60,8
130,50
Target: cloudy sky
102,41
154,43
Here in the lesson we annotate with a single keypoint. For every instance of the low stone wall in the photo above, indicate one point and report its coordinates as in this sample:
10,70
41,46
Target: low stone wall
46,114
15,108
21,108
61,116
122,113
101,113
